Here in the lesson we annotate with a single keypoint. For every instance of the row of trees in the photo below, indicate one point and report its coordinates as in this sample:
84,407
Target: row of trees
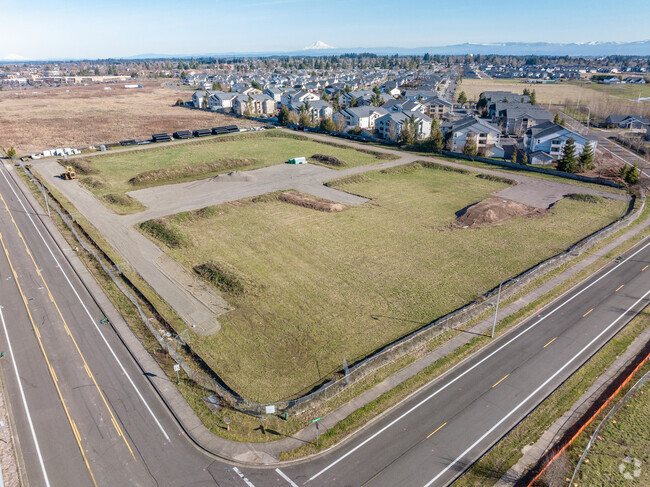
572,163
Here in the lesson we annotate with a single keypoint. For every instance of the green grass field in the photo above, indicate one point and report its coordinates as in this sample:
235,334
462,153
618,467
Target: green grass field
318,286
627,436
110,174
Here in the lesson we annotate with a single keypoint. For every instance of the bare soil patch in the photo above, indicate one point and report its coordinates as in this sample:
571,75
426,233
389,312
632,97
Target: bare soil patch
80,116
307,201
494,210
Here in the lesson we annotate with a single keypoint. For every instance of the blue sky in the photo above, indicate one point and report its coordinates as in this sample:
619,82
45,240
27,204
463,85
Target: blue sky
41,29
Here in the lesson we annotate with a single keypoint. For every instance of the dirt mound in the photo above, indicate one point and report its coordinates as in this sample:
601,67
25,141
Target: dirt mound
301,199
494,210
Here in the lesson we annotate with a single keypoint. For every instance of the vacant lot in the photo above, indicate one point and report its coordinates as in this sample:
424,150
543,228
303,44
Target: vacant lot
311,287
79,116
602,99
110,176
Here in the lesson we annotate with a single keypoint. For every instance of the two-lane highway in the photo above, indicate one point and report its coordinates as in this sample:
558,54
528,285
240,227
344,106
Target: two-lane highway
440,431
85,412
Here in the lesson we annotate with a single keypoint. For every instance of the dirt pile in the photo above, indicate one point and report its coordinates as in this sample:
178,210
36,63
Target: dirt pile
494,210
301,199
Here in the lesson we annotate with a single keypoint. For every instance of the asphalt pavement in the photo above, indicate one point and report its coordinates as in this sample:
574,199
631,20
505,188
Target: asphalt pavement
86,413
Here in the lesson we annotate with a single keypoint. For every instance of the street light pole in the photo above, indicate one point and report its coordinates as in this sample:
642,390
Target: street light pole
496,310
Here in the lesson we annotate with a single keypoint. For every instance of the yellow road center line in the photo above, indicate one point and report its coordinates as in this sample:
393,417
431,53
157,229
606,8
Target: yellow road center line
88,371
645,267
63,320
436,430
500,381
587,312
550,342
619,288
47,360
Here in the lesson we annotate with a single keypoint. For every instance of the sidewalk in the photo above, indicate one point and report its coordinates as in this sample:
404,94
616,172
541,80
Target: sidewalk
269,453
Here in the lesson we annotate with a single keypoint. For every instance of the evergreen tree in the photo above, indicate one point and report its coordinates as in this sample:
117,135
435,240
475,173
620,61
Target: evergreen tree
556,119
586,159
533,98
568,163
405,135
514,157
462,98
470,148
524,159
328,124
376,90
436,140
526,92
283,116
632,175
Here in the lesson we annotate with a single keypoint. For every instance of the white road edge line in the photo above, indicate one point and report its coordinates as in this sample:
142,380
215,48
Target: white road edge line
541,318
22,395
241,475
285,477
86,309
544,384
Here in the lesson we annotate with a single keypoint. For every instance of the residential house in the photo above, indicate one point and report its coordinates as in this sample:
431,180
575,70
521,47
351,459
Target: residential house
221,101
390,126
403,105
627,121
275,93
550,138
255,104
419,95
437,107
363,117
318,110
486,135
360,97
198,99
516,118
297,98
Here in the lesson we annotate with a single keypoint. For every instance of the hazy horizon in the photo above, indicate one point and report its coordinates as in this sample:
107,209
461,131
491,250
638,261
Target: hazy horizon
119,29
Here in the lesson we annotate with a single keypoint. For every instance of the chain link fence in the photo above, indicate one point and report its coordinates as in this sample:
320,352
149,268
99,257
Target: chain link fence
347,376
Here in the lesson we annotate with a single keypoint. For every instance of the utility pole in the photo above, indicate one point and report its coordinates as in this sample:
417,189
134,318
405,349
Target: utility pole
496,310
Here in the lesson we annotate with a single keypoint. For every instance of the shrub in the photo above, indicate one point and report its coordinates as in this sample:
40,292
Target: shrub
587,198
329,160
498,179
175,173
443,167
223,278
81,165
159,229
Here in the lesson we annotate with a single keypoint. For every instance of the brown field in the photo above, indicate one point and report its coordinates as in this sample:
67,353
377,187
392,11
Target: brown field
78,116
602,99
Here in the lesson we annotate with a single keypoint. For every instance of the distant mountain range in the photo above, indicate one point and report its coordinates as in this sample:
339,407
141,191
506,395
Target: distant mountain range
578,49
319,48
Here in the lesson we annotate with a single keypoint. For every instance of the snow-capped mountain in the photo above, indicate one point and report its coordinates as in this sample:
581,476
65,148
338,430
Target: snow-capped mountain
318,45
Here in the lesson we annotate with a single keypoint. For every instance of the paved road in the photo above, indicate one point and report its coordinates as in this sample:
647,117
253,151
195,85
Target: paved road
84,409
85,412
620,153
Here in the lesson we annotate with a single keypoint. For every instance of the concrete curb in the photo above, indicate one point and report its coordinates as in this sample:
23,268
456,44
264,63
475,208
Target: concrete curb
259,454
